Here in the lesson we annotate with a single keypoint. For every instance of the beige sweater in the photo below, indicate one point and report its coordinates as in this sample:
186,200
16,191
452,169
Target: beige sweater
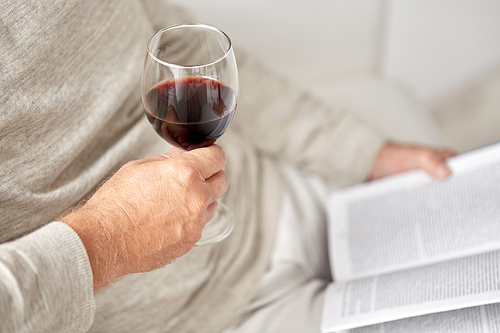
70,114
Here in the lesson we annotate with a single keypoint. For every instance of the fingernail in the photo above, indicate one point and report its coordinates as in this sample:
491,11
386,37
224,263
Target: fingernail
443,171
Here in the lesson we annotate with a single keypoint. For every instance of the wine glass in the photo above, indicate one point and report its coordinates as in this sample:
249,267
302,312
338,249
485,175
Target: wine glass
190,92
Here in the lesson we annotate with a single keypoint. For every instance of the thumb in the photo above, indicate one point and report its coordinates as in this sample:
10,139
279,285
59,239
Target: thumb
173,152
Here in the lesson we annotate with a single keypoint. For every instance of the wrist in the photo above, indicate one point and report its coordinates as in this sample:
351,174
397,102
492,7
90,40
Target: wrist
97,243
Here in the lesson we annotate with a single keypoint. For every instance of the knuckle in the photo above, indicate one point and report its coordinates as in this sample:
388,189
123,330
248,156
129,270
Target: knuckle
198,204
193,231
177,234
433,158
222,155
426,157
215,154
187,173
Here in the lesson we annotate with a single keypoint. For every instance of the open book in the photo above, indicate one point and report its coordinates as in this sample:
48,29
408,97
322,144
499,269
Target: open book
414,254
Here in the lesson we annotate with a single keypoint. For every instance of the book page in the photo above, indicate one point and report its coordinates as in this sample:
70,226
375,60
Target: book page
451,285
410,219
480,319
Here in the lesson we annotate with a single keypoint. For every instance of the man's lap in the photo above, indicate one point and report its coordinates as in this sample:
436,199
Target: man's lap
290,295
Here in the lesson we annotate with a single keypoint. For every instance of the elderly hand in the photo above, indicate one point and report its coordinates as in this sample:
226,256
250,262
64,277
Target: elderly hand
150,212
394,158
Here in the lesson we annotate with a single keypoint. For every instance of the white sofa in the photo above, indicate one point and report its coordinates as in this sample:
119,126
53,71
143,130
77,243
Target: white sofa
418,70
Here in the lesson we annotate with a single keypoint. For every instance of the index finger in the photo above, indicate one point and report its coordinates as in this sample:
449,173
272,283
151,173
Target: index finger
209,160
435,164
173,152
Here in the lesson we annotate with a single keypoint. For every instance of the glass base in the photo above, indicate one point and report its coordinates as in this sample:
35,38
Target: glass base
219,227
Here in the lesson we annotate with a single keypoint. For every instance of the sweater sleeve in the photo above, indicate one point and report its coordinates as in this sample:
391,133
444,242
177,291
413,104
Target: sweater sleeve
295,126
163,13
46,282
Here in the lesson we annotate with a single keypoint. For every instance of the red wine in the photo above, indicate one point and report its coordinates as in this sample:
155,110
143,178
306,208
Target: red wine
190,112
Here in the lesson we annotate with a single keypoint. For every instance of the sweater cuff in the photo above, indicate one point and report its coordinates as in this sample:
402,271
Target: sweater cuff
64,275
354,149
